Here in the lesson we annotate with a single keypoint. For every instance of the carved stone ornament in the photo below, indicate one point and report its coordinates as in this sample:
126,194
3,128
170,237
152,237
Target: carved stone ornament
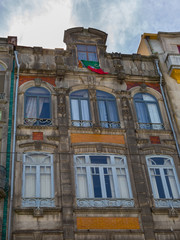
38,82
120,73
105,203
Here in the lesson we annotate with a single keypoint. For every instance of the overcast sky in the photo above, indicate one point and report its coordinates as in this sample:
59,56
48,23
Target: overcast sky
42,22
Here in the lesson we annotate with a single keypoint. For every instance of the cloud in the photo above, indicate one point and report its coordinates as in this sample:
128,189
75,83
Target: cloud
125,21
42,22
41,26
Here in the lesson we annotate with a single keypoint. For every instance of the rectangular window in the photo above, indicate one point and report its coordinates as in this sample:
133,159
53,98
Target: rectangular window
163,179
102,177
38,188
87,52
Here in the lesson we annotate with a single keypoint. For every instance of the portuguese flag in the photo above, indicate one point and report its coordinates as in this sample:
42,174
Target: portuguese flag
93,66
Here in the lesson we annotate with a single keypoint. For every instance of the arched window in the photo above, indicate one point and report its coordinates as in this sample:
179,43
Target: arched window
107,110
164,180
80,112
37,106
147,111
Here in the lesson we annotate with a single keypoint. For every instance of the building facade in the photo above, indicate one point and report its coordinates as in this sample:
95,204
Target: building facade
95,155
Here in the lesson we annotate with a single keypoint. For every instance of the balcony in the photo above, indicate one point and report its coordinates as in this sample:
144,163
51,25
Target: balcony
3,182
173,65
173,61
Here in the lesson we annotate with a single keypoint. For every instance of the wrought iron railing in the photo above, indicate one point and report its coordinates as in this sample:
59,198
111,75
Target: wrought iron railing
151,126
37,122
104,202
110,124
167,203
81,123
38,202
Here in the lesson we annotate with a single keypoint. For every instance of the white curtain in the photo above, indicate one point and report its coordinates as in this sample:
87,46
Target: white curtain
122,183
43,113
154,185
82,182
75,109
102,111
31,107
172,182
30,182
45,182
153,113
85,110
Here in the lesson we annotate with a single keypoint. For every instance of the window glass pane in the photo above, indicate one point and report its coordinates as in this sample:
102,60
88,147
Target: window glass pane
30,182
147,97
153,113
112,111
142,113
37,91
122,183
102,111
104,95
85,110
91,48
171,183
157,183
31,107
92,57
82,56
79,94
82,183
96,182
44,108
98,159
75,109
109,185
45,188
81,48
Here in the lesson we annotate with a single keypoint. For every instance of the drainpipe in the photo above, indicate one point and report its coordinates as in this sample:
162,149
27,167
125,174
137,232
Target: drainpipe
13,148
167,109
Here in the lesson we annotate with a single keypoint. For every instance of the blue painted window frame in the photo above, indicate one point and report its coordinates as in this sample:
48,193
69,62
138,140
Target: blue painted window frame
36,120
143,112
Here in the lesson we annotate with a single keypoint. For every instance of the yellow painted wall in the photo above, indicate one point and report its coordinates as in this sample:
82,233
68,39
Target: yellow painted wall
104,138
107,223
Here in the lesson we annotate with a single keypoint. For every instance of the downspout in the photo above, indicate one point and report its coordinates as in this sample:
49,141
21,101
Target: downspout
13,148
167,109
8,151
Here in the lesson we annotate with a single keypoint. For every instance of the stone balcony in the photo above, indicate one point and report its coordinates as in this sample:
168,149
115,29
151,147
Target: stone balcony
3,183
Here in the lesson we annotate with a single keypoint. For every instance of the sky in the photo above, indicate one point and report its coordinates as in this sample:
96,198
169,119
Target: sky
43,22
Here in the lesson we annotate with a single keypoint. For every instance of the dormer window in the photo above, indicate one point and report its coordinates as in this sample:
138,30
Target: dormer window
87,52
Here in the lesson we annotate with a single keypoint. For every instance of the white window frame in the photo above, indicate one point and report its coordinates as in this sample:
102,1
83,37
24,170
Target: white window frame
90,200
37,200
167,201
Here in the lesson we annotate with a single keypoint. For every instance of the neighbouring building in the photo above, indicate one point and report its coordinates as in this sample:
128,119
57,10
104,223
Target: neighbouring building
7,65
95,155
166,45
